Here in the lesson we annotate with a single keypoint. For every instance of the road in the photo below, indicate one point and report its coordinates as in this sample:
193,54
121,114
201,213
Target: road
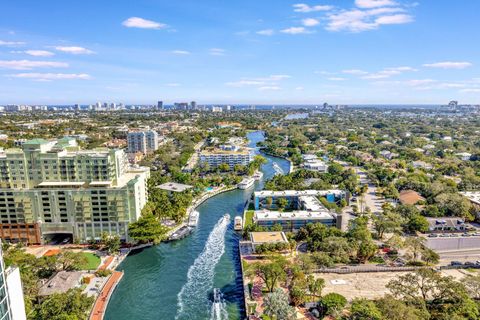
371,199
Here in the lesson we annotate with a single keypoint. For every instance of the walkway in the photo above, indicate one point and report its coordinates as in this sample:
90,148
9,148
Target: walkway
101,304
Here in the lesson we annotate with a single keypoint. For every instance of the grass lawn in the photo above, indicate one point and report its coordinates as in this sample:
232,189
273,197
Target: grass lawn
248,218
93,261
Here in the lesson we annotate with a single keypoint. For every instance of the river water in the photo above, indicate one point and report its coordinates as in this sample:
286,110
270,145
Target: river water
176,280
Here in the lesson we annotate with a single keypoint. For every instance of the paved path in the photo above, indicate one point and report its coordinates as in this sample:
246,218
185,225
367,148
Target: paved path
102,301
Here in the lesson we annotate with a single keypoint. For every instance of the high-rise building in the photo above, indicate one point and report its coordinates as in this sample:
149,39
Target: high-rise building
53,187
180,105
12,305
160,105
193,105
142,141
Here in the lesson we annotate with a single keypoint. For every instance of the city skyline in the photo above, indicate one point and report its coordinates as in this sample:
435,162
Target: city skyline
294,52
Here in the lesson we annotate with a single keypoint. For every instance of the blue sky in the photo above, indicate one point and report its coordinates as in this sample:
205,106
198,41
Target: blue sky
249,51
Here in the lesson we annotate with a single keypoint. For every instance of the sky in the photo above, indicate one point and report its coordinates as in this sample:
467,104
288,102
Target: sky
240,52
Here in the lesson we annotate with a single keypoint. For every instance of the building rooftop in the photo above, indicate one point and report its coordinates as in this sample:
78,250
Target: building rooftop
293,215
410,197
61,282
175,187
473,196
268,237
297,193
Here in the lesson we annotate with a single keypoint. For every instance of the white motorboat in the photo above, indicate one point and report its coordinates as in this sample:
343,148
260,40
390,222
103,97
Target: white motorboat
246,183
193,218
257,175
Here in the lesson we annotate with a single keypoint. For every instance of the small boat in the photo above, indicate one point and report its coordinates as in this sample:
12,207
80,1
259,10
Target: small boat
238,223
257,175
277,168
180,233
246,183
193,218
226,216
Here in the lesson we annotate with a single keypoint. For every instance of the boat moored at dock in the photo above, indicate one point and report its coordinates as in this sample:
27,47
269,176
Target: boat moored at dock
180,233
258,175
246,183
193,218
238,223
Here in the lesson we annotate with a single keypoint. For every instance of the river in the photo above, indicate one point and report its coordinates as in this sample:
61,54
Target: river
176,280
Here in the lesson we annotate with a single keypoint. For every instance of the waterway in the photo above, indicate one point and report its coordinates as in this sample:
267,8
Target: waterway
176,280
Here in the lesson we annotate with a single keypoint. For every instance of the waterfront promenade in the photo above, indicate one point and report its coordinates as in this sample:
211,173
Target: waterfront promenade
101,303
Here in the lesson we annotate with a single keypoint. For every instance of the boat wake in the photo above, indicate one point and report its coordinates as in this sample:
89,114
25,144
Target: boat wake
193,297
218,310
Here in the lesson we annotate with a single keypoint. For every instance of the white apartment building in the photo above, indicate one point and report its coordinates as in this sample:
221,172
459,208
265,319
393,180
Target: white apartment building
215,157
12,305
53,187
142,141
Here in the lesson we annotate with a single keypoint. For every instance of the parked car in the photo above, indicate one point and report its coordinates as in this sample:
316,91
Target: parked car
456,263
433,235
469,263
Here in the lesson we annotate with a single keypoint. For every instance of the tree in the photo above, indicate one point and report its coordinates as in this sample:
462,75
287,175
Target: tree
394,309
315,286
111,242
366,250
147,229
415,246
271,273
70,260
417,222
443,297
305,262
269,202
298,295
72,305
429,256
332,303
363,309
276,306
282,203
224,167
386,222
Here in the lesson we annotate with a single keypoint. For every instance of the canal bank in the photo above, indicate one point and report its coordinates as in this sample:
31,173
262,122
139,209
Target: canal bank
176,280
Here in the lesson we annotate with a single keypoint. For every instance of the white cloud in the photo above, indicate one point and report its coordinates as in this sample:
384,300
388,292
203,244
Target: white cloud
394,19
336,79
310,22
266,32
270,81
39,53
29,64
295,30
51,76
355,72
299,88
11,43
470,90
181,52
173,84
217,52
74,50
302,7
136,22
448,65
388,72
374,3
356,20
420,82
269,88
